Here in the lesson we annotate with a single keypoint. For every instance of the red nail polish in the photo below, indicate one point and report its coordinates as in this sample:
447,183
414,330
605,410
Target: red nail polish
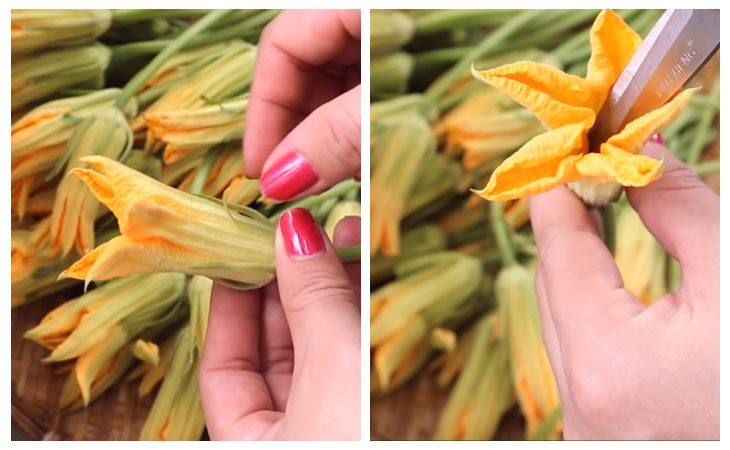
289,176
657,139
302,236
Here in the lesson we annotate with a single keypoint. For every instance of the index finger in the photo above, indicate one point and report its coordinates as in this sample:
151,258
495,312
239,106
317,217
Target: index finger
581,280
291,46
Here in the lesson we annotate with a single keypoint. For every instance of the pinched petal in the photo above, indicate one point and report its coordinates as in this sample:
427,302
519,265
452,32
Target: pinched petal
613,43
543,163
636,132
555,97
623,167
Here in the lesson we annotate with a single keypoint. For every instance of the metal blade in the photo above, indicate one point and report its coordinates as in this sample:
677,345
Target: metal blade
675,49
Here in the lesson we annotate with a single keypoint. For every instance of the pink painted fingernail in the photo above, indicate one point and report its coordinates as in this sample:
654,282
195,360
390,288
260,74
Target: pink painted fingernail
657,139
288,177
302,236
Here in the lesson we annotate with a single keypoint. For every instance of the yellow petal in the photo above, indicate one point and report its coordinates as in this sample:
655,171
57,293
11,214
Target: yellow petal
543,163
555,97
636,132
613,43
626,168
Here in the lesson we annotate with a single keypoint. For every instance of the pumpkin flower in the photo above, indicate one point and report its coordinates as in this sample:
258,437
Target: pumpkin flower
39,76
34,29
430,291
226,166
225,76
104,133
187,131
639,257
38,139
177,413
567,106
483,391
94,327
166,230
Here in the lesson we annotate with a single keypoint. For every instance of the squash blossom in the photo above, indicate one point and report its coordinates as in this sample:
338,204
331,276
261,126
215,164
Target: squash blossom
39,76
639,257
104,133
38,139
177,413
483,391
34,29
567,106
192,130
166,230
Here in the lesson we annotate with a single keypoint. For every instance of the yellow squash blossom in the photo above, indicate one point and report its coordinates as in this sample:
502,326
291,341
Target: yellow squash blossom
639,257
36,77
567,106
187,131
167,230
34,29
104,133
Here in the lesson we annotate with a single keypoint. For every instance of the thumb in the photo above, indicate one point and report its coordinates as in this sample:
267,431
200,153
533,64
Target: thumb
321,151
325,327
316,293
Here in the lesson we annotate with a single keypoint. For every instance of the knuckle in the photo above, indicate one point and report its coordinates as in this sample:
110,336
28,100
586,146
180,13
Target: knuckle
342,131
319,286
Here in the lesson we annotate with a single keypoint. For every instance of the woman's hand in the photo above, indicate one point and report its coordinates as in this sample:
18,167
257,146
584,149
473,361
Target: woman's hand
626,370
303,124
283,362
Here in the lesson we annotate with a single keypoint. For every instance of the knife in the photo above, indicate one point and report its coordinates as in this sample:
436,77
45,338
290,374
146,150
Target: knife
676,48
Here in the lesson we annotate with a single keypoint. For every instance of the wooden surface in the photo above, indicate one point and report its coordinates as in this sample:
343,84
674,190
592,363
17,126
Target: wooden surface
35,388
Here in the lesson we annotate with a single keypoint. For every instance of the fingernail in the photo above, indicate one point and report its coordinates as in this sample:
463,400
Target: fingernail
289,176
657,139
302,236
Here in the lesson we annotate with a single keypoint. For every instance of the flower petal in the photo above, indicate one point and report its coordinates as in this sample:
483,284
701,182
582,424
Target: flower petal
613,43
636,132
555,97
544,162
624,167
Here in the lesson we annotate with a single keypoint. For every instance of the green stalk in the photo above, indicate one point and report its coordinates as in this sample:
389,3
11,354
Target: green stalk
206,165
446,20
349,254
136,15
608,220
547,425
707,168
310,202
501,234
694,152
138,80
490,43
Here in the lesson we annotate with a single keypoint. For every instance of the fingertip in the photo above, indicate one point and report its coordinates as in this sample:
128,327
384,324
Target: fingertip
347,232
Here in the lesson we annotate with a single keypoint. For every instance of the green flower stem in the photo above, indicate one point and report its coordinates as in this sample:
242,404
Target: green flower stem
501,234
489,44
547,425
694,152
707,168
335,192
138,81
349,254
125,16
238,30
206,165
445,20
608,220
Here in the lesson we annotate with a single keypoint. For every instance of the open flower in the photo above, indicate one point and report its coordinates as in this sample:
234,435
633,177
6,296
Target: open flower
167,230
567,106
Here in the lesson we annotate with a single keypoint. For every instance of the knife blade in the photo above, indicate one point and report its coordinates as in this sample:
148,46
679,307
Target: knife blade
675,49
